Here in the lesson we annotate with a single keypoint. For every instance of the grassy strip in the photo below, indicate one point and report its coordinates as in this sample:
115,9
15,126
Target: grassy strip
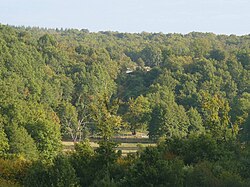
124,147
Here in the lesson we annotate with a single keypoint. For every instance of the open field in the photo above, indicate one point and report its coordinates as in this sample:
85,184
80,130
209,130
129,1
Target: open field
125,147
128,143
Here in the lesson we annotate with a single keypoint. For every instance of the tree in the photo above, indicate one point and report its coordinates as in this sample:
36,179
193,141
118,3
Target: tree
4,143
152,170
168,118
107,121
244,58
196,123
152,56
217,54
166,79
195,148
82,161
138,113
47,40
47,137
71,126
84,149
38,175
21,143
241,114
62,173
215,110
200,47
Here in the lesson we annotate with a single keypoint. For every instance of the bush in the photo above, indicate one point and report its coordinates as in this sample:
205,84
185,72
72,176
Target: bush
59,174
14,170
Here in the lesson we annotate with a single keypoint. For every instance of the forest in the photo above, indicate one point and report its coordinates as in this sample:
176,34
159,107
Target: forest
190,93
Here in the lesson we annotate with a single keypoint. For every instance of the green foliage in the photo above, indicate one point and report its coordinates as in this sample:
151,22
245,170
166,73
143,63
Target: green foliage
195,149
59,174
217,54
7,183
244,58
47,137
4,144
13,170
209,174
104,115
195,95
38,175
106,154
215,110
151,56
62,173
152,170
95,168
196,161
82,162
196,123
21,143
168,119
241,114
84,149
138,113
71,127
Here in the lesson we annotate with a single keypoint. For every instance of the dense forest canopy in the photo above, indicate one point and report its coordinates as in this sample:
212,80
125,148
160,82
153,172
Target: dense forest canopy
190,93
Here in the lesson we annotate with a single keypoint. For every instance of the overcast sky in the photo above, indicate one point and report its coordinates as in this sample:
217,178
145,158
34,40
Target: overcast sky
167,16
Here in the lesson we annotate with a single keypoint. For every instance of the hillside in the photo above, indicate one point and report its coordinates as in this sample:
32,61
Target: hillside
73,84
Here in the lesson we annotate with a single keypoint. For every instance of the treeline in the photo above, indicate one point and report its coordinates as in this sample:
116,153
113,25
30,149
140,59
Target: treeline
196,161
191,93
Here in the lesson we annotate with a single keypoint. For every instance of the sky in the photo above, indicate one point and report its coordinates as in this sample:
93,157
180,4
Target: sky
167,16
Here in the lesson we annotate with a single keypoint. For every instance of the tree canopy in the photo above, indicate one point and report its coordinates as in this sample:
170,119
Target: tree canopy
190,93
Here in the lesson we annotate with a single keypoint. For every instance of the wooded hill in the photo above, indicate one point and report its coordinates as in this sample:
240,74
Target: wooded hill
72,84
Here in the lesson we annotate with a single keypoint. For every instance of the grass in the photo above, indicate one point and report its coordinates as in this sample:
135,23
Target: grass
128,143
125,147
